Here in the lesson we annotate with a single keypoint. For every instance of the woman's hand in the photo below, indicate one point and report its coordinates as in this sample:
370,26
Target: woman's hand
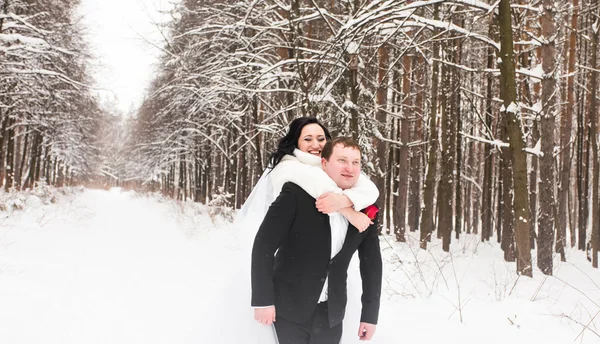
357,219
331,202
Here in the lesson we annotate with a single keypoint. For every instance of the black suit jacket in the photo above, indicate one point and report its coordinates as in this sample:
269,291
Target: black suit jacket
291,259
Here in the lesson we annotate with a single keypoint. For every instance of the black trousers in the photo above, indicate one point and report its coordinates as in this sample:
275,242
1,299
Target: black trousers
315,331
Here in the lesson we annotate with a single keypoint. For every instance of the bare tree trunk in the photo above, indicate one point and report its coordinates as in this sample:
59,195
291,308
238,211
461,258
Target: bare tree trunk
487,205
33,160
474,193
18,157
517,144
23,159
458,221
428,211
533,183
401,198
258,118
10,148
534,160
546,185
197,175
457,138
206,177
391,177
582,185
594,141
565,140
3,135
499,198
47,162
445,197
354,93
507,219
60,179
55,171
171,181
381,116
414,203
39,160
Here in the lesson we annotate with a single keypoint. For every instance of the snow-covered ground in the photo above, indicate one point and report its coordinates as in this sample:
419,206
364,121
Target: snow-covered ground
117,267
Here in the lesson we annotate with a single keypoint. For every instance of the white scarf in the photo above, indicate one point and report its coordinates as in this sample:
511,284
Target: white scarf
304,170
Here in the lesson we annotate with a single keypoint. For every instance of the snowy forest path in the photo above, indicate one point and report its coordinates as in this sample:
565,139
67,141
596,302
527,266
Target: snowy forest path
108,267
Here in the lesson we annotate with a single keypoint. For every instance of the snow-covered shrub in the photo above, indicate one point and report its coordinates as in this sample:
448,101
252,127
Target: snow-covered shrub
41,194
221,205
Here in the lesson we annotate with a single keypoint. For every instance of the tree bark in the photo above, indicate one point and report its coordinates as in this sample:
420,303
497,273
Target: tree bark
23,157
565,140
507,218
517,142
3,134
545,236
10,148
428,211
445,197
414,203
381,120
594,141
487,204
402,195
457,138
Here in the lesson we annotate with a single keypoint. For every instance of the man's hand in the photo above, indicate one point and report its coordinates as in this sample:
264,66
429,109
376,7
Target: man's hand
366,331
356,218
265,315
330,202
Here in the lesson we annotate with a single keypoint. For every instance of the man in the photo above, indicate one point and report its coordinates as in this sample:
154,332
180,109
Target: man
300,261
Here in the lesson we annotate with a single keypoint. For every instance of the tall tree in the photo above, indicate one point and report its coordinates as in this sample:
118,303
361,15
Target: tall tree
595,213
428,211
565,139
547,181
516,139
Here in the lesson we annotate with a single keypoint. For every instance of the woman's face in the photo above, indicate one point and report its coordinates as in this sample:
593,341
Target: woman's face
312,139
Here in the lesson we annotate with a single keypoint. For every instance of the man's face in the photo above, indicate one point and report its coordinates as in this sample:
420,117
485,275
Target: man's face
343,166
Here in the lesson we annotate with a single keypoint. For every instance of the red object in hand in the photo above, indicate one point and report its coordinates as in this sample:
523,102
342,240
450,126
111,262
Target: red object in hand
371,211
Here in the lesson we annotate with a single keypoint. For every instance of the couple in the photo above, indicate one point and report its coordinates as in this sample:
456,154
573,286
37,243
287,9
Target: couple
301,255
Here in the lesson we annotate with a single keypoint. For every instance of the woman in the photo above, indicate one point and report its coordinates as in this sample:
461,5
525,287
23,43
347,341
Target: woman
298,160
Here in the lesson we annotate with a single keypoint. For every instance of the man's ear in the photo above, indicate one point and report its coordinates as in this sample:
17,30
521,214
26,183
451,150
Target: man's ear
323,163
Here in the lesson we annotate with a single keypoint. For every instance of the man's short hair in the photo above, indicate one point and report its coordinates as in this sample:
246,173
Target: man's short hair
345,141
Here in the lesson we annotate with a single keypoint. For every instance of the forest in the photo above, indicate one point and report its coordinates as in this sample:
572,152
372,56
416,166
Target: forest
475,117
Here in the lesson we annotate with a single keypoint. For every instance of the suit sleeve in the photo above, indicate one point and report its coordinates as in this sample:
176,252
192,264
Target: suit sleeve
363,193
371,274
270,236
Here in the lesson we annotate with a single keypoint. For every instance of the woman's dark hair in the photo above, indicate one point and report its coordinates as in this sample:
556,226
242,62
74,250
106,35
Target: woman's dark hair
289,142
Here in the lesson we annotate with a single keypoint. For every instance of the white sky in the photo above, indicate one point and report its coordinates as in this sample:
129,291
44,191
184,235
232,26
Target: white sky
119,32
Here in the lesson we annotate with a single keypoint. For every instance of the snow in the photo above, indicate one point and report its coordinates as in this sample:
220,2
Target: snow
536,74
348,104
118,267
15,37
512,107
537,107
537,149
495,142
352,48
